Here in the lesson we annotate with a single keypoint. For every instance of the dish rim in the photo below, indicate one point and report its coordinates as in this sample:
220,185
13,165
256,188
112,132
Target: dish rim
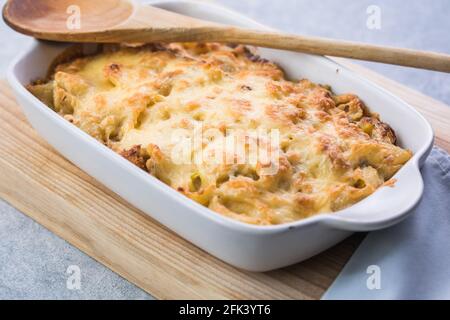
334,219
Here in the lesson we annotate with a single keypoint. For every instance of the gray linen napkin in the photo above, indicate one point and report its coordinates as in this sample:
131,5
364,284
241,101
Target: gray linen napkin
412,259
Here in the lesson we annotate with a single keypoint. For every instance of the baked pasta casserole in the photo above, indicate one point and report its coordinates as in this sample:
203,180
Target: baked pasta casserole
331,151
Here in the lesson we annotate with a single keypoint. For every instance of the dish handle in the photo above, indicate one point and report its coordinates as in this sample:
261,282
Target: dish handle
386,207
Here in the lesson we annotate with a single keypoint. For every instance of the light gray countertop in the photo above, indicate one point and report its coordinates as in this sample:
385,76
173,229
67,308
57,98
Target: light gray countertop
34,262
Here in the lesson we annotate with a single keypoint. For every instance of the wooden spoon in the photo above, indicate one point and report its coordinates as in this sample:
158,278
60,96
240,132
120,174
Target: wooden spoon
125,21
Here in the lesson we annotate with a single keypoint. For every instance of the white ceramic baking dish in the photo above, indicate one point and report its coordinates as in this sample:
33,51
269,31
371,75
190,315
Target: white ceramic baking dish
249,247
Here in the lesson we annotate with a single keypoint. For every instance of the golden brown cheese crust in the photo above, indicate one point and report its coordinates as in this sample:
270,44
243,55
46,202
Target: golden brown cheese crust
332,153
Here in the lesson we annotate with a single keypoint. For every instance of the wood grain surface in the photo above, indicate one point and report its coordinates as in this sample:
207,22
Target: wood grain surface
39,182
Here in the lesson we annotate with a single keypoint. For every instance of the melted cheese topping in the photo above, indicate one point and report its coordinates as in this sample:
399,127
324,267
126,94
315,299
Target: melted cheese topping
332,151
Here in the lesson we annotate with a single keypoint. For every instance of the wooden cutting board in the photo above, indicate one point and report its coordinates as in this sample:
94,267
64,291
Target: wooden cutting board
39,182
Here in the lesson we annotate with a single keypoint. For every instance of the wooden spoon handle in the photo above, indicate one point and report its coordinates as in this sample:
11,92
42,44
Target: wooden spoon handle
307,44
354,50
